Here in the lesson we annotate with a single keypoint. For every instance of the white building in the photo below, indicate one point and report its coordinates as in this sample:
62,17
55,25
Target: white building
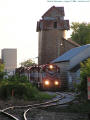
9,58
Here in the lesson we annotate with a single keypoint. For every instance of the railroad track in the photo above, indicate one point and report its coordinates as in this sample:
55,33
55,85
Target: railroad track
12,112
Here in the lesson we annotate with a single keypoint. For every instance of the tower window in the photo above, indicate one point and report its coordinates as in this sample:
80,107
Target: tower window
55,24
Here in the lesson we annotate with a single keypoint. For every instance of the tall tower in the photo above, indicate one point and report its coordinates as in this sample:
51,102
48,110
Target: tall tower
51,30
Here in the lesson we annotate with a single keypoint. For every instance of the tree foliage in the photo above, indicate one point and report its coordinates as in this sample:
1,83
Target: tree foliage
27,63
19,86
2,73
84,73
85,68
81,33
1,67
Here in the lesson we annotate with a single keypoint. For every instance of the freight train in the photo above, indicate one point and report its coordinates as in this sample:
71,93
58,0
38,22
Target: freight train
45,76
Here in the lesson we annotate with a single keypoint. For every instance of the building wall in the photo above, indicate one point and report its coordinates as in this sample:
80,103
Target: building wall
66,46
63,73
68,78
73,78
9,58
49,45
51,30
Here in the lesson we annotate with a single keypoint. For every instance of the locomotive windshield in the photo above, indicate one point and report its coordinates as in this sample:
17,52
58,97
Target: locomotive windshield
50,70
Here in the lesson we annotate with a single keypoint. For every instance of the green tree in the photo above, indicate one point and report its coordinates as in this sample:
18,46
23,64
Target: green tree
19,87
84,73
2,73
81,33
1,67
28,62
85,68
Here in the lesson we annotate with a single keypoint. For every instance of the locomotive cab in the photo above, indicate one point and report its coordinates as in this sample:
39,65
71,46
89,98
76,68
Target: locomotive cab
50,77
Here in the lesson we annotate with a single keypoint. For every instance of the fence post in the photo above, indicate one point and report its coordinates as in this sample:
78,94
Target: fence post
12,93
88,89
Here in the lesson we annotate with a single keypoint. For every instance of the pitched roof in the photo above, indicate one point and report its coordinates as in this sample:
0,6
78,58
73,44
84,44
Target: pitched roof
71,53
59,9
72,42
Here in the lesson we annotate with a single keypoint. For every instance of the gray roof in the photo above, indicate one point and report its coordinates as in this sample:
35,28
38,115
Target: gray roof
71,53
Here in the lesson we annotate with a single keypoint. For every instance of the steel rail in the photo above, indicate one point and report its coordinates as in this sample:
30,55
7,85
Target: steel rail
48,102
43,105
49,105
13,107
9,115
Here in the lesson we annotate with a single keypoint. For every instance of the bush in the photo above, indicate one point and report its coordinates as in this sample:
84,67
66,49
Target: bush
20,91
85,68
18,79
2,74
84,73
20,88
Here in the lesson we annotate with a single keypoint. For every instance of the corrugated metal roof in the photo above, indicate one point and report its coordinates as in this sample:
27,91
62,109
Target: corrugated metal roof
71,53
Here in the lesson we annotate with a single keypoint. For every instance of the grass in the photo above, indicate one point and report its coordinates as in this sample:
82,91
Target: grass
43,96
81,107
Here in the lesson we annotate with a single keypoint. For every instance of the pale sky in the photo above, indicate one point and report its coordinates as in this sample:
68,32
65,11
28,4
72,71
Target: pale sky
18,19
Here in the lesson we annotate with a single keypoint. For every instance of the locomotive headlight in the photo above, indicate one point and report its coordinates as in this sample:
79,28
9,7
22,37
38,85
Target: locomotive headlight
47,82
56,83
51,66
